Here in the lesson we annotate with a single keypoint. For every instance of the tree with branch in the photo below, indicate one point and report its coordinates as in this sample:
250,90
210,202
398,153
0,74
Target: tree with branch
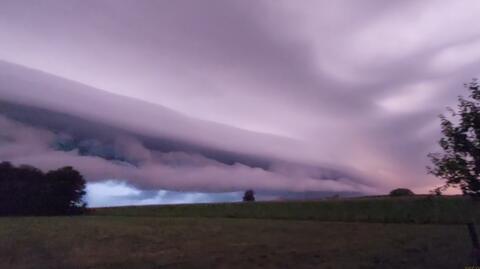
459,163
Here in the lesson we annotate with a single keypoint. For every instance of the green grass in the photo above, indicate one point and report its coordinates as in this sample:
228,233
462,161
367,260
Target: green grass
151,242
379,232
418,209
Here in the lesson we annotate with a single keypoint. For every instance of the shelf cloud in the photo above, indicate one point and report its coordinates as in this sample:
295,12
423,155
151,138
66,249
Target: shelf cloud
219,96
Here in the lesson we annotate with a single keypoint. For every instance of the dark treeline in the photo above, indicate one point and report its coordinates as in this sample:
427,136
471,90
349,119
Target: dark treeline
26,190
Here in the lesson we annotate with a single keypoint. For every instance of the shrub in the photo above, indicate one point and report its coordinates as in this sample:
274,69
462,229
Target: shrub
401,192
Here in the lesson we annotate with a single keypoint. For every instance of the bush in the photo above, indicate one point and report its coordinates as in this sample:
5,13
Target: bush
401,192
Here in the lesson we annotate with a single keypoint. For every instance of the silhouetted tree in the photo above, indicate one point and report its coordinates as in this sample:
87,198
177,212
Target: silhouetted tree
26,190
459,163
66,187
20,189
249,196
401,192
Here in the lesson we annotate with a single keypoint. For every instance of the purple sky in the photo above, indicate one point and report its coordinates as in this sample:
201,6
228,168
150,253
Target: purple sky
341,84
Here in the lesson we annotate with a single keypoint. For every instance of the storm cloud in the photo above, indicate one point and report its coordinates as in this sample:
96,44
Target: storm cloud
339,86
147,169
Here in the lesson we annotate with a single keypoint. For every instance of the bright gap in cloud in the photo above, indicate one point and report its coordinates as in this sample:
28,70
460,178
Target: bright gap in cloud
411,98
119,193
456,57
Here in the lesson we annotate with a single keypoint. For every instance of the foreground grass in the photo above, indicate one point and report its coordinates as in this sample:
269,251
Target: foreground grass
418,209
150,242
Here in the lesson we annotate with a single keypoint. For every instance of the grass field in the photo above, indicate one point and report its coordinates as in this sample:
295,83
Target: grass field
146,242
418,209
227,236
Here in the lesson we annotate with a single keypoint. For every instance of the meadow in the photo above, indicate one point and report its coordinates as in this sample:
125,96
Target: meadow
416,209
388,233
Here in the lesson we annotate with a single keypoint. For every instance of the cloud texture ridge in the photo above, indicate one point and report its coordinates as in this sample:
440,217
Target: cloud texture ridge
219,96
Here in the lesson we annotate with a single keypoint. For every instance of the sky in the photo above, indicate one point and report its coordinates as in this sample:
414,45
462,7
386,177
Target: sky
341,86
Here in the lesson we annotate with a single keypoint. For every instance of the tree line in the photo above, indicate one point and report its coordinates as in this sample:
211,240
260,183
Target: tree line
26,190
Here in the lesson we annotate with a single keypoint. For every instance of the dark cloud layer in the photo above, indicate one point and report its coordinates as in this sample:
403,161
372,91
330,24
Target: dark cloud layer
127,159
147,145
315,83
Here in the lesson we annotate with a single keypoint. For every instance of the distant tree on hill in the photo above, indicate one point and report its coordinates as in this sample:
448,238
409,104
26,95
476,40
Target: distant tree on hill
436,192
249,196
401,192
26,190
459,163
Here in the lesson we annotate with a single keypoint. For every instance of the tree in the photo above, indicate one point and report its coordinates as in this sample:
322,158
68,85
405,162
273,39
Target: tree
459,163
249,196
401,192
20,189
26,190
66,188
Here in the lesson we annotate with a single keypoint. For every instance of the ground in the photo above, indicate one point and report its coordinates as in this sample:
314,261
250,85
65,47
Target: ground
164,242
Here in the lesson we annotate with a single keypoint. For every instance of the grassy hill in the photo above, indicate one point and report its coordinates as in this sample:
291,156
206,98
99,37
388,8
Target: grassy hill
416,209
375,232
